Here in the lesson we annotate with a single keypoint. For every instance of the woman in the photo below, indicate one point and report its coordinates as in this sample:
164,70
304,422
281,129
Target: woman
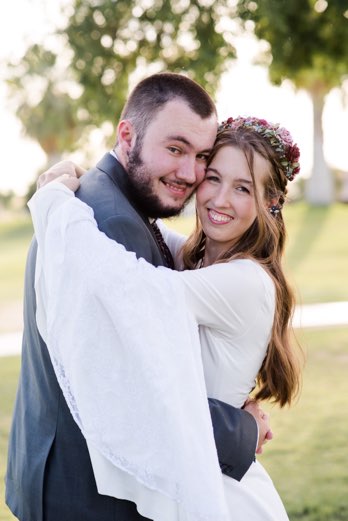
239,297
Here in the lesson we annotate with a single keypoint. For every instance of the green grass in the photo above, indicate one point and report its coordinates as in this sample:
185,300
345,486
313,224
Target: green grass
317,250
9,369
316,259
15,236
307,457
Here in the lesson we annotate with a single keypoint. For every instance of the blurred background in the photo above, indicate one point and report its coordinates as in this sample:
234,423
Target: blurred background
66,68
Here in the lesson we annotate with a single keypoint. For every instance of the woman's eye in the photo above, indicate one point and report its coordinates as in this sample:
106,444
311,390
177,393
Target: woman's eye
212,178
243,189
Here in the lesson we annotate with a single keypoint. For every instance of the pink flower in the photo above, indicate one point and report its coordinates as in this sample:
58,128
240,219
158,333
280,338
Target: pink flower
285,136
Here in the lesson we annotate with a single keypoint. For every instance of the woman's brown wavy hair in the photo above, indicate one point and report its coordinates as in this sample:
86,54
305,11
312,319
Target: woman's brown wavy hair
280,375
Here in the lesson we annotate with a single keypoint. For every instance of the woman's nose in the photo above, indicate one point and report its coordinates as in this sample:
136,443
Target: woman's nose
222,199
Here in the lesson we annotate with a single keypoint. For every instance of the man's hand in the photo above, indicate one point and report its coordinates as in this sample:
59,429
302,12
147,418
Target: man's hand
65,172
263,422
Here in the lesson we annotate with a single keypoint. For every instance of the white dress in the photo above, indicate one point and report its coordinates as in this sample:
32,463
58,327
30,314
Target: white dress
232,351
158,460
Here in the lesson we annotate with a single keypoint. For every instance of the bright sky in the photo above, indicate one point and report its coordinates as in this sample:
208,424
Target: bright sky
245,90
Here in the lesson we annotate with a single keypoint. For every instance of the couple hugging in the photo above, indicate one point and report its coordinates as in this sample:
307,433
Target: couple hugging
141,346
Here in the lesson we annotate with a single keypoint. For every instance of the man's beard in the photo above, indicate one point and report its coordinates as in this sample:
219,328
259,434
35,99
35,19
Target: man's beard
141,186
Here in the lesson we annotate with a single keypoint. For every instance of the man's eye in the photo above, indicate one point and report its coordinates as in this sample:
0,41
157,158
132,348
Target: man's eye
174,150
202,157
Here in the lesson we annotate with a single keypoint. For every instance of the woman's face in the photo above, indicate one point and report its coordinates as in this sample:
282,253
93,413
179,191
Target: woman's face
226,200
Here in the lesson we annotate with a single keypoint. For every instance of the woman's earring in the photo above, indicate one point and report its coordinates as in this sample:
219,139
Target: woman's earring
274,209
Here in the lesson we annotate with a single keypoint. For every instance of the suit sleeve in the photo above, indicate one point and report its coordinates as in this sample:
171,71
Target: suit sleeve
235,433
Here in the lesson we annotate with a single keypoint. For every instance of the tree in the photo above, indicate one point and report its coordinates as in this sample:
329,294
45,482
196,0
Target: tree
43,104
308,44
60,95
6,199
112,39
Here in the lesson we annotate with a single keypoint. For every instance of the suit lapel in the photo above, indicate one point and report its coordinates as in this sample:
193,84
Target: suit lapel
118,175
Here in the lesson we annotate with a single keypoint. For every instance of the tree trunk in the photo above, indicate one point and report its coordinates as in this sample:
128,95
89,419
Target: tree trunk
53,158
320,186
343,196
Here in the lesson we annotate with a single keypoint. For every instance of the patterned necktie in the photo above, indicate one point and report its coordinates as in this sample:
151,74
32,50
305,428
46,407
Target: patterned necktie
169,262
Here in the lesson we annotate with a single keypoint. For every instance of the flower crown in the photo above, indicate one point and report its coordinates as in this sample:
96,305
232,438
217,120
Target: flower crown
278,137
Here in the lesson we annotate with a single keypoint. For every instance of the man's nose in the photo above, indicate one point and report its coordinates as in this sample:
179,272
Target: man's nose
187,170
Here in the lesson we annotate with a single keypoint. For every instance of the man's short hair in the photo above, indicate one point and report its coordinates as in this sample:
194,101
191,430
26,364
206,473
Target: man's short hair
149,96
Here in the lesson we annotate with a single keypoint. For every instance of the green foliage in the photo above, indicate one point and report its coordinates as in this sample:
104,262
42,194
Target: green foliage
42,101
112,39
6,199
60,94
308,39
308,44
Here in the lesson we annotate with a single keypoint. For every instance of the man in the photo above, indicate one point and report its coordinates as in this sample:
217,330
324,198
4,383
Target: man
167,129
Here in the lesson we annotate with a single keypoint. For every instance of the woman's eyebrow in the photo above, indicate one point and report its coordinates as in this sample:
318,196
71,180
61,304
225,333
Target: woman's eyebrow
238,180
210,169
243,180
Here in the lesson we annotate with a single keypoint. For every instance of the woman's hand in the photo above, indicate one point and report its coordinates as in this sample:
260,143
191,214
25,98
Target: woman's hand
263,421
65,172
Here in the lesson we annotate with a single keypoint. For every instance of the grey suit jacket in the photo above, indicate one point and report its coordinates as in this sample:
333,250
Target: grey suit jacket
49,475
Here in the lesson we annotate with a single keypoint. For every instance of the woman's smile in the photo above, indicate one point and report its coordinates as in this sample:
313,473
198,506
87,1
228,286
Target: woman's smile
219,218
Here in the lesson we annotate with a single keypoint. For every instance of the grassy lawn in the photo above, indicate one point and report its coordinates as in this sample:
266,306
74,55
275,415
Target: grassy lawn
316,259
306,459
317,250
9,368
14,241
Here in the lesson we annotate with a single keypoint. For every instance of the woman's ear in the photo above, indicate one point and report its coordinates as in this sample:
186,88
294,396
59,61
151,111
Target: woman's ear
274,201
274,205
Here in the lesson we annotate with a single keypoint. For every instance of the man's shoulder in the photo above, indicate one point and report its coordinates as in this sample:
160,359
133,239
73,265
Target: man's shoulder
101,190
101,180
96,186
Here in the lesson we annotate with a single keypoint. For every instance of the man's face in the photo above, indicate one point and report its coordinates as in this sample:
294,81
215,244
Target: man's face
171,160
